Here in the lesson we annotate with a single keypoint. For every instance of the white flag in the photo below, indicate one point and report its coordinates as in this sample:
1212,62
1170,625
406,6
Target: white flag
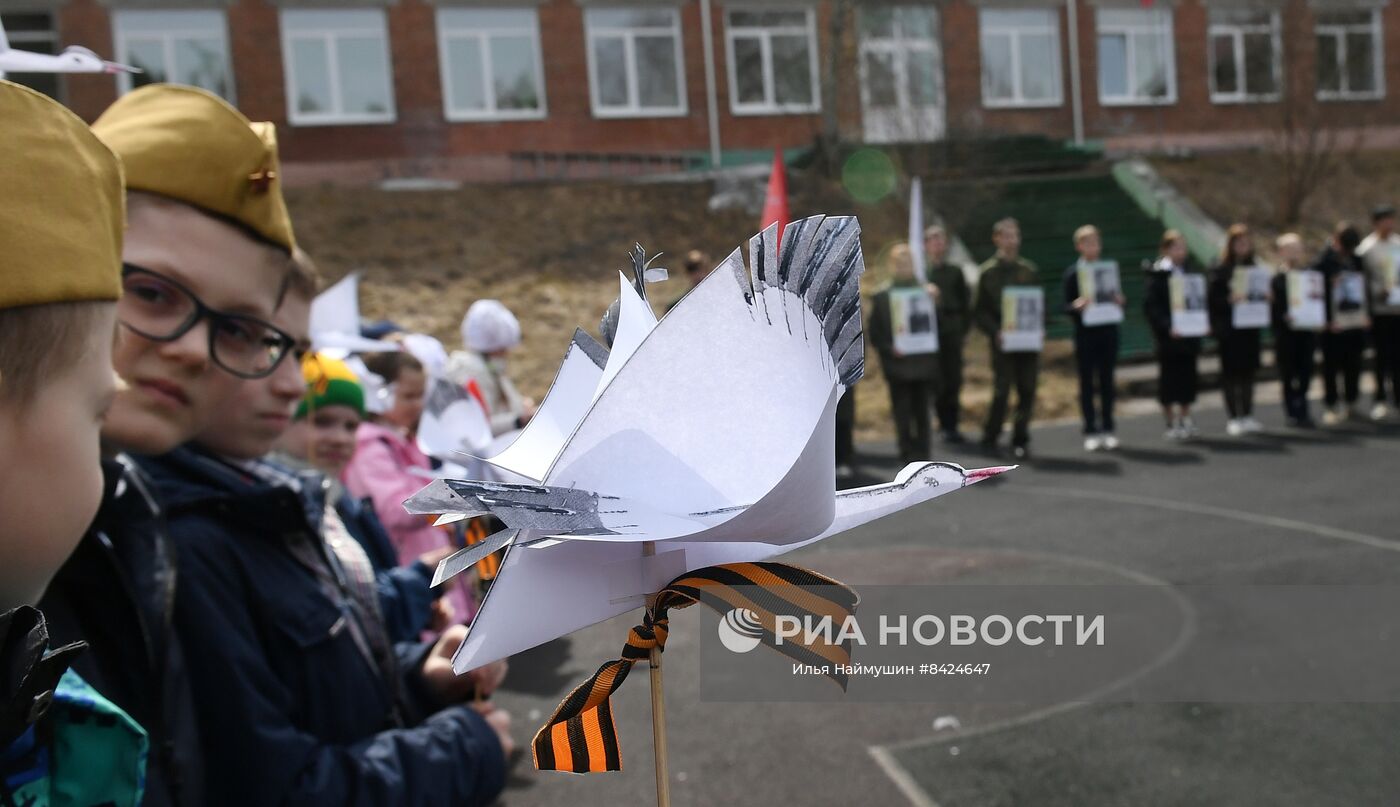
916,230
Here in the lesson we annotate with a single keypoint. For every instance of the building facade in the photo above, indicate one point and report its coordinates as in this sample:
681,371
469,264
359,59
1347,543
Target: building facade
489,89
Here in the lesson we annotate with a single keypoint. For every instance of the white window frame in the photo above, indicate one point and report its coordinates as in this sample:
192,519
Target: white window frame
634,108
18,39
1237,31
483,35
329,36
765,34
49,36
1018,99
125,29
1339,32
1161,25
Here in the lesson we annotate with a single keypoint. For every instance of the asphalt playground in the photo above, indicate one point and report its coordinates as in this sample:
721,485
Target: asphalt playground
1281,508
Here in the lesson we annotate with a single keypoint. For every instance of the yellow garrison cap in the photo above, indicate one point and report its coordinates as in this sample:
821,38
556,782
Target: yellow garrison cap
62,207
193,146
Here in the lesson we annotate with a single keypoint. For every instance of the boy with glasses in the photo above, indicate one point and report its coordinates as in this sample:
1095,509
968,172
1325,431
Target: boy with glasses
294,670
205,264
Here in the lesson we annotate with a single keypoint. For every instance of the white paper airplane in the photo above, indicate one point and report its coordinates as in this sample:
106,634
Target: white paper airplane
711,436
73,59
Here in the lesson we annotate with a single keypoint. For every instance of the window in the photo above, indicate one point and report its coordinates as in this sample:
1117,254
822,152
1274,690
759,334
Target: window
1349,54
490,63
337,64
182,47
634,62
1244,55
1136,62
35,33
1021,57
772,57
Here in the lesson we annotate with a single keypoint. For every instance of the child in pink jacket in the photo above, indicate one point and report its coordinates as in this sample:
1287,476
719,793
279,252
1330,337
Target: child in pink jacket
388,468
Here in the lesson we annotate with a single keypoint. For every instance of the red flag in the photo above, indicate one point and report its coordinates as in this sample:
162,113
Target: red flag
1147,3
775,205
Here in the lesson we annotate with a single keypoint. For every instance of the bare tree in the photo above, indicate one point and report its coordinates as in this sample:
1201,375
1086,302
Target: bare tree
1310,141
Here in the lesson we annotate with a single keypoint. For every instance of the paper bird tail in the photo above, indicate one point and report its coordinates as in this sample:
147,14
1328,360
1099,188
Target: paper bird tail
581,735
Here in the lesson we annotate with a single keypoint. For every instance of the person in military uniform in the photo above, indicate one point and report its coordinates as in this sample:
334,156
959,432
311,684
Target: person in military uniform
1019,369
205,263
953,301
61,221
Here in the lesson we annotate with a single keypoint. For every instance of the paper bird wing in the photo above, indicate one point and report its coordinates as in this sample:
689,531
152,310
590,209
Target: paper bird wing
577,386
715,406
453,422
635,323
568,399
547,589
551,512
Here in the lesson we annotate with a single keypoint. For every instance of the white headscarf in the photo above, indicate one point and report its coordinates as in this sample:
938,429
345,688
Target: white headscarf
489,326
428,351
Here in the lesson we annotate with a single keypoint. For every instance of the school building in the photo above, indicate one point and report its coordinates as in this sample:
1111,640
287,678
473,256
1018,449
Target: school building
498,89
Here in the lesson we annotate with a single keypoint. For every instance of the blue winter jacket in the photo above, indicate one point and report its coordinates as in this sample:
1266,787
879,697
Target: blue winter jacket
293,710
405,593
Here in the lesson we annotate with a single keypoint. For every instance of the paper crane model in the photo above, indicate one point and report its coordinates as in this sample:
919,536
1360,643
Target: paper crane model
709,435
73,59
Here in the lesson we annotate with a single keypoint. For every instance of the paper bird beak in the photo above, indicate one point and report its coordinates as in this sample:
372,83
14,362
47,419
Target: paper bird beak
980,474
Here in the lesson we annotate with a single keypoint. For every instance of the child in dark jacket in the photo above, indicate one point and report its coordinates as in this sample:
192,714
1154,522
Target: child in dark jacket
1095,347
1177,377
1239,347
911,379
295,673
61,224
1293,346
206,256
1343,343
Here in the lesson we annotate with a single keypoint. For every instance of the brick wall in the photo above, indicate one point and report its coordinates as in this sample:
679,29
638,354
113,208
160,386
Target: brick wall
422,142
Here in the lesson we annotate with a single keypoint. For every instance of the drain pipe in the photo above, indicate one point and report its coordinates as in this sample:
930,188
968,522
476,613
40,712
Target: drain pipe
707,39
1076,96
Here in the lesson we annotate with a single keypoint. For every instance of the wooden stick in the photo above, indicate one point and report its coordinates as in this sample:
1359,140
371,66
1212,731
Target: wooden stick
658,711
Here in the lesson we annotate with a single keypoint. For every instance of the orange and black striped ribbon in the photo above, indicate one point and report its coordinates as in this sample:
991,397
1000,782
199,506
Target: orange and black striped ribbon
581,736
477,532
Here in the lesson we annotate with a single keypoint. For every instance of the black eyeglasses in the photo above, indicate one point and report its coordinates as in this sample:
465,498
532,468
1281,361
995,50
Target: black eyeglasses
162,310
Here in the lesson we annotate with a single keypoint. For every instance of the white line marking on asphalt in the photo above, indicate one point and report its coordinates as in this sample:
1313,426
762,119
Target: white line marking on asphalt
1280,522
884,755
918,797
901,778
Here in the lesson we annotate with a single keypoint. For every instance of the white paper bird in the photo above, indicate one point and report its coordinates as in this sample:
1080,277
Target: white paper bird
335,322
710,433
73,59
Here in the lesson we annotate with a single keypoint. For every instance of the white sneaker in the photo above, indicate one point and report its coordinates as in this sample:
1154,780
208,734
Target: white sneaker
1380,411
1332,416
1188,428
1174,432
1092,443
1235,427
1110,442
1252,426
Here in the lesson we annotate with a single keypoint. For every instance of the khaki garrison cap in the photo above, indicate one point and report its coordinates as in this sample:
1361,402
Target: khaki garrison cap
62,207
190,145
